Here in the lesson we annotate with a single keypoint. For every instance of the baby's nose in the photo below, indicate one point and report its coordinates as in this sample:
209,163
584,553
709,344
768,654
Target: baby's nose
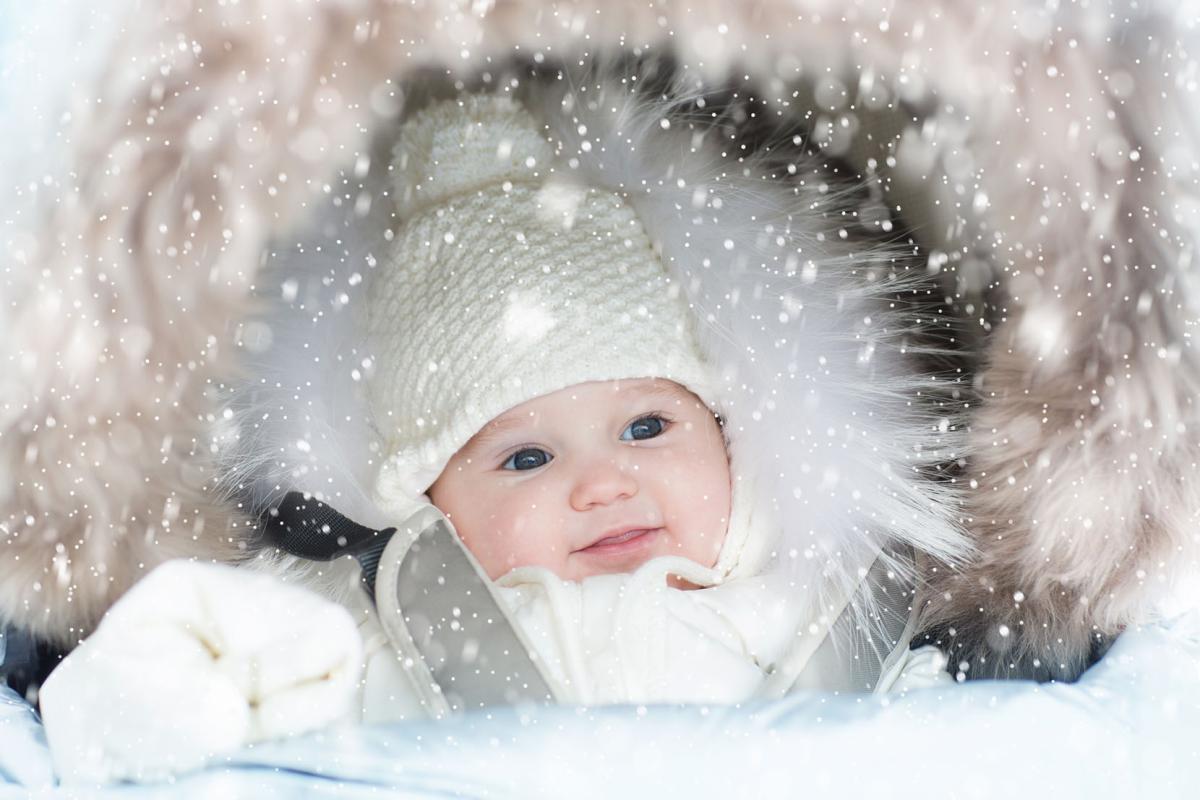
601,482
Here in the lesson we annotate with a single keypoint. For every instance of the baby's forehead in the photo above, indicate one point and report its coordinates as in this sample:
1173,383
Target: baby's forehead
598,395
587,397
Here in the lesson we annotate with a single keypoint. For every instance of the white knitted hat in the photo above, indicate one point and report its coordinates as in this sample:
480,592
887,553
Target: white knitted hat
505,282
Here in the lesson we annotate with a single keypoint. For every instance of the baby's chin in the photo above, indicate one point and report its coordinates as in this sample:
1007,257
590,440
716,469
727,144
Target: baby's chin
674,581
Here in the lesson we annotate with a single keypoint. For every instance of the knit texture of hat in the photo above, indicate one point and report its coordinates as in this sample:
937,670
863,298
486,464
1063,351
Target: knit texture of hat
505,282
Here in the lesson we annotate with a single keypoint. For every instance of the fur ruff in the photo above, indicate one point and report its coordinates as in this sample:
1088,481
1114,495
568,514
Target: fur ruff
796,296
1071,252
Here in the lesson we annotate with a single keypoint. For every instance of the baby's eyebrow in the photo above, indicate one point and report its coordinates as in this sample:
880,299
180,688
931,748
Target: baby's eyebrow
664,391
494,430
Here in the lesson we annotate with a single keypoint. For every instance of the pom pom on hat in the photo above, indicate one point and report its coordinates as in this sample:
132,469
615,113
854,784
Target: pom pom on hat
491,296
461,146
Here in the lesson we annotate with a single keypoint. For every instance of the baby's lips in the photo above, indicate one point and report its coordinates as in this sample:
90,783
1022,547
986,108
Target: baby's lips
619,535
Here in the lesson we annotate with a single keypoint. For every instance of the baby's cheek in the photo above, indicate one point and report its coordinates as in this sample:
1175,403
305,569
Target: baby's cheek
517,541
712,507
498,545
484,537
699,478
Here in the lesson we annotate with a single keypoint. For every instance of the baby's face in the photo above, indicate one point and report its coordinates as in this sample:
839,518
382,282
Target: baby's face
596,478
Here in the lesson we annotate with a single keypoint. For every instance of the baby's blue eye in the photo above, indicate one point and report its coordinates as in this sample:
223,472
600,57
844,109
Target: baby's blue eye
643,428
529,458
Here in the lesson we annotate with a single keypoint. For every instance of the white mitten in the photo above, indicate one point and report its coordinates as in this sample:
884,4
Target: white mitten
194,662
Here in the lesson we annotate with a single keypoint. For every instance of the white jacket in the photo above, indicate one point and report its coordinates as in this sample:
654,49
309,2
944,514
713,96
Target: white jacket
632,639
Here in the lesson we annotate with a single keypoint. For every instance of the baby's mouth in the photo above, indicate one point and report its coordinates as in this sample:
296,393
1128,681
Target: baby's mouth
621,543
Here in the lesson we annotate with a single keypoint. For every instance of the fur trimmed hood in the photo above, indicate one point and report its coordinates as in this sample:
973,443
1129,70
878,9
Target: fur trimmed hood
138,251
802,303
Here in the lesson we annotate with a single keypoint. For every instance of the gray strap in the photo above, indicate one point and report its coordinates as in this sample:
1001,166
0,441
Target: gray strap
871,632
436,606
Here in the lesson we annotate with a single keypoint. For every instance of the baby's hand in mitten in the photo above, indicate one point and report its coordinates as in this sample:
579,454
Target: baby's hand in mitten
193,662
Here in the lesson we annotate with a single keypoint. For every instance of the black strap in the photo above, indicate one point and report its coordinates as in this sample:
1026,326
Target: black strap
25,660
303,526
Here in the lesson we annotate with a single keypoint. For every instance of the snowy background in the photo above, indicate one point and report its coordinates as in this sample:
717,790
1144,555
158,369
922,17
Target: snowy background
1128,727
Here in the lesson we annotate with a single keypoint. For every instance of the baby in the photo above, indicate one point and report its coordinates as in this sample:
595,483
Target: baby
596,478
538,379
590,506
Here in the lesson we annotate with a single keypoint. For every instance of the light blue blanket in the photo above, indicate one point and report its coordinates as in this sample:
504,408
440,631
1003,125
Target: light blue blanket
1129,728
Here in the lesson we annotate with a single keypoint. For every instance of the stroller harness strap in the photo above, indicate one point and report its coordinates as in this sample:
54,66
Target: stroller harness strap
305,527
460,649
